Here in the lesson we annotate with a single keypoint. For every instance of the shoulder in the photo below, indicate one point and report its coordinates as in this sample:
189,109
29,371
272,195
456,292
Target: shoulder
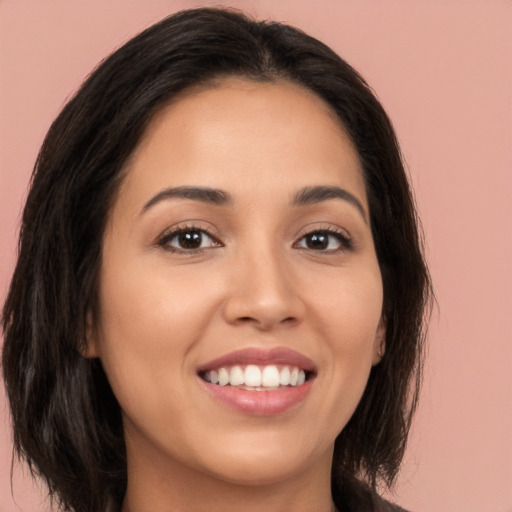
352,495
382,505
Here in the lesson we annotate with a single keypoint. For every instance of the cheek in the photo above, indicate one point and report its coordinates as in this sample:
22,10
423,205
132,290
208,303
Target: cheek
145,306
348,315
349,305
146,327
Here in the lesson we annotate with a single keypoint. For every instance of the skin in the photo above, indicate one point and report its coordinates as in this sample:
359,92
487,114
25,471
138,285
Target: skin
164,311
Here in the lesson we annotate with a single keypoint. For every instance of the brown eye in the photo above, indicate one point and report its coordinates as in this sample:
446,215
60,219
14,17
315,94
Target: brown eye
326,241
319,241
188,239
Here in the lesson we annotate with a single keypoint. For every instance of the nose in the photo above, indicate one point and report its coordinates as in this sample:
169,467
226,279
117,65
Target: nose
263,292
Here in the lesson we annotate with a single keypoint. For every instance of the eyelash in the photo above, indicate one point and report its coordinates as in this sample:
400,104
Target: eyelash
345,243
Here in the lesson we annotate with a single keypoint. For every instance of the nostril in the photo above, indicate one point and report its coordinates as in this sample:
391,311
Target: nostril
263,309
267,322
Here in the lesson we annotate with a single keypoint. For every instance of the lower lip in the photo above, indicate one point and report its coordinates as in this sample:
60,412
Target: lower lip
259,403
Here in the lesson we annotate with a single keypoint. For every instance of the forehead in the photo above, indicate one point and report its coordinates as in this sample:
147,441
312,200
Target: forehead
247,135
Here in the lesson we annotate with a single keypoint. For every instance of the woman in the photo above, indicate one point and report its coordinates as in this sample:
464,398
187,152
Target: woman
220,291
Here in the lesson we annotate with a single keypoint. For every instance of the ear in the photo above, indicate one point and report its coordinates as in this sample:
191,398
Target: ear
379,345
91,337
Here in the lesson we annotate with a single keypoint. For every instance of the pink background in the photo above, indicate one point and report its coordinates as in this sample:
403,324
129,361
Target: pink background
443,70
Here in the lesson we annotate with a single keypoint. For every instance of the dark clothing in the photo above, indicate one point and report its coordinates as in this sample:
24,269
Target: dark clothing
351,495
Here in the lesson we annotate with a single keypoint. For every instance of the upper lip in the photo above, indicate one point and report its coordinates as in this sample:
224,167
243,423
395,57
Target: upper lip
259,356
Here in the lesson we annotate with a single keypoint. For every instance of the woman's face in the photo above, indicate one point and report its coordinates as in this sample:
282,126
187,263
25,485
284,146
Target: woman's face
239,248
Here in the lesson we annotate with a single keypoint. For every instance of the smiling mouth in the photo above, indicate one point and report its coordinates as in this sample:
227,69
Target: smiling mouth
253,377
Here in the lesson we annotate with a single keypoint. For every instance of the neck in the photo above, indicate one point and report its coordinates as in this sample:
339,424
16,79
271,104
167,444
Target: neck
169,486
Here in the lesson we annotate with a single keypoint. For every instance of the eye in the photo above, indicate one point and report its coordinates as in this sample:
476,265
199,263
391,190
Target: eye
188,239
325,240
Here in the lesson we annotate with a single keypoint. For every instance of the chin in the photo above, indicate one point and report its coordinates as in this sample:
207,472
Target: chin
260,473
258,462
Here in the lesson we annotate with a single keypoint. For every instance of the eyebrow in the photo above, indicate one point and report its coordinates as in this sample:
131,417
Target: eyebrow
312,195
304,197
204,194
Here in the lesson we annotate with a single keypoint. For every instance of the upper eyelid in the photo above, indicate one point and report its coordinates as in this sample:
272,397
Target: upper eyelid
315,227
191,225
175,232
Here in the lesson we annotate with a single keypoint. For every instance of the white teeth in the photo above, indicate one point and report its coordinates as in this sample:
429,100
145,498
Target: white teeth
252,375
223,377
284,376
236,376
270,376
294,377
